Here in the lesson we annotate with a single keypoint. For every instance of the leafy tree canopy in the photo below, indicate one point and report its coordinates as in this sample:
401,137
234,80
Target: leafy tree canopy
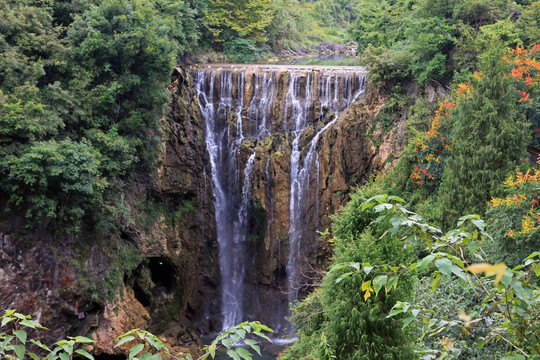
246,18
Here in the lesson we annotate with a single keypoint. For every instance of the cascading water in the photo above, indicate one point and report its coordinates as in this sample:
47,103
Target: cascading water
239,113
301,172
230,216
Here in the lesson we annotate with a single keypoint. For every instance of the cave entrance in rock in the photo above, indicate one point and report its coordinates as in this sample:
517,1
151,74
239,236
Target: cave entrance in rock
162,273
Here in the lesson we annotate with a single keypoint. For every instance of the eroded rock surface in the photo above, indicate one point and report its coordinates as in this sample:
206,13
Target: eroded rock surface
260,106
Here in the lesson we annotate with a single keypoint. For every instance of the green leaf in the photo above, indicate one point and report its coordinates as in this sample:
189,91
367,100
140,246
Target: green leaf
343,277
254,345
155,342
507,278
135,350
233,354
367,205
382,207
64,356
124,340
398,308
378,282
84,353
244,354
32,324
379,198
391,284
367,268
68,348
212,350
128,333
407,321
227,343
145,356
33,356
456,270
518,288
425,262
21,335
83,340
265,328
435,282
514,357
479,224
337,267
7,319
444,265
260,334
20,350
21,316
40,344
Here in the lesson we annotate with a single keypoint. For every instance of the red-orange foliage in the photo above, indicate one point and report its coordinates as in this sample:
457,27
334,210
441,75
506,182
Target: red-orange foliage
433,147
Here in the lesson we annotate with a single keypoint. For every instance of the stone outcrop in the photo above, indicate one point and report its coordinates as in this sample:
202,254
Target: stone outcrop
125,314
261,96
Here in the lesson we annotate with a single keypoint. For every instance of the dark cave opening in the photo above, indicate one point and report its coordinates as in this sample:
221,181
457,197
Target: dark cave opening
141,295
162,273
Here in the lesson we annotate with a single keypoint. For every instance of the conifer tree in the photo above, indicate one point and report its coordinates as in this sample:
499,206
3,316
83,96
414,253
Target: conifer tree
489,136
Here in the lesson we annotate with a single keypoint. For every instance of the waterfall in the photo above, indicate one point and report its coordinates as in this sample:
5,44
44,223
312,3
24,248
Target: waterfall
236,121
231,225
300,185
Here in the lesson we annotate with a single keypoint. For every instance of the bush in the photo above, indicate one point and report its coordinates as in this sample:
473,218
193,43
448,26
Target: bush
343,321
241,50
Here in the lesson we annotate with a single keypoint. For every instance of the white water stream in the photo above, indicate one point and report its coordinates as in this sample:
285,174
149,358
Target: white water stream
232,126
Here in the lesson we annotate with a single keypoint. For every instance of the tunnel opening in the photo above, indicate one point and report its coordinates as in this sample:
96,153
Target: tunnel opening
162,273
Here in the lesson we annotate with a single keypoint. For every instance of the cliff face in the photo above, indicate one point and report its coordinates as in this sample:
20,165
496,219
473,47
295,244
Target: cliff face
293,141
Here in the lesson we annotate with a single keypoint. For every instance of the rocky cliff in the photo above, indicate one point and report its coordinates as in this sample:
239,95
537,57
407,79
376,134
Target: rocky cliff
285,132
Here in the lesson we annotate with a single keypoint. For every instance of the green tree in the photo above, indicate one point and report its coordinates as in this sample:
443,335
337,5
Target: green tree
56,180
488,137
378,23
84,81
287,25
233,18
346,316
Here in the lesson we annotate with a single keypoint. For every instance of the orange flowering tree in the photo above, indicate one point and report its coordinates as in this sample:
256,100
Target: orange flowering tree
490,135
514,219
526,71
433,148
